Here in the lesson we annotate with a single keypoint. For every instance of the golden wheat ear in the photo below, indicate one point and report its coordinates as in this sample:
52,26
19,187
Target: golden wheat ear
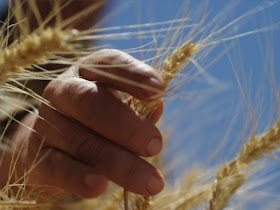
34,49
230,177
51,36
171,69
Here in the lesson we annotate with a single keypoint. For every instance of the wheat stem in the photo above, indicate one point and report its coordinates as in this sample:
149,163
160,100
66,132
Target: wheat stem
23,204
125,196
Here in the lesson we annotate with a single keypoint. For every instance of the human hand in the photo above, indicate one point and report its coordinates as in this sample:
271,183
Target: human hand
88,135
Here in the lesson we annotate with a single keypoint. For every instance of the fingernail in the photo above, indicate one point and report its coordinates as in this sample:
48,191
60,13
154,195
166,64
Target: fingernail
154,146
155,183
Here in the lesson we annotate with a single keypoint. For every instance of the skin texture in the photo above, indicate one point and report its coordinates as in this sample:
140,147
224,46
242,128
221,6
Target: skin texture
89,135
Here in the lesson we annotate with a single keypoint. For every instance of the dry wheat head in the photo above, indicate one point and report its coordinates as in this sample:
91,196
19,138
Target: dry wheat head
34,49
230,177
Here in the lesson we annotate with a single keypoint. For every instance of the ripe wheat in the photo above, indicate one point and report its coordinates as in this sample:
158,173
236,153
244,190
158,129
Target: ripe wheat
34,49
170,70
255,149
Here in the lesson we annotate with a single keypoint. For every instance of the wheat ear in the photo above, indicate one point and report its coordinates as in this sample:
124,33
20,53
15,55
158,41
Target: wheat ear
171,68
33,49
254,150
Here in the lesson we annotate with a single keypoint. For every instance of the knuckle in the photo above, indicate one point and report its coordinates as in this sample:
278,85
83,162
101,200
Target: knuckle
113,56
69,88
87,99
108,51
84,94
75,90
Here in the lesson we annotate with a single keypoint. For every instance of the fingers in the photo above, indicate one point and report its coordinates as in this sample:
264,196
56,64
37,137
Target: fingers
105,133
110,160
121,71
62,171
99,110
122,167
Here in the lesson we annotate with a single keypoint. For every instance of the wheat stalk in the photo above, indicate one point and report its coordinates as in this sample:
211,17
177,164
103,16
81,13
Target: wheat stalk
34,49
254,150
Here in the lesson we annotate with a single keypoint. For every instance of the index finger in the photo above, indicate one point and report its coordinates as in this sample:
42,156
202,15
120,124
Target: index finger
119,70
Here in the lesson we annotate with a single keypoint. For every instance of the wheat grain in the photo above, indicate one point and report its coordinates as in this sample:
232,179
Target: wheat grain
34,49
230,177
171,68
196,199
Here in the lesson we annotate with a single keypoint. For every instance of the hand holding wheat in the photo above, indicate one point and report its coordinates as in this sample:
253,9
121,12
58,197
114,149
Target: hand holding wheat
88,135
